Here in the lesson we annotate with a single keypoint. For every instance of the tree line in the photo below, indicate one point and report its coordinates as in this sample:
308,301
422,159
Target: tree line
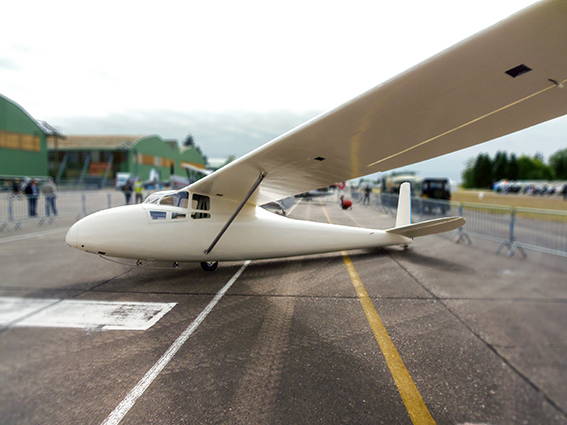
481,172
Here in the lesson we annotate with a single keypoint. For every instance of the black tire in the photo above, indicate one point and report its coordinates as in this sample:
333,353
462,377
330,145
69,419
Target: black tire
209,266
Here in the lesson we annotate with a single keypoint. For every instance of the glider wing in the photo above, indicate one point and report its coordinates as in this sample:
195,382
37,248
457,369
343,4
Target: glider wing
501,80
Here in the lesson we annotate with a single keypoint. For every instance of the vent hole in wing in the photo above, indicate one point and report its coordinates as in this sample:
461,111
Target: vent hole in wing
518,70
319,158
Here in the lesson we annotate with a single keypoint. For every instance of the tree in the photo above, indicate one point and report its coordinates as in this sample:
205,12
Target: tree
188,141
533,169
513,170
468,174
558,162
483,172
500,166
198,149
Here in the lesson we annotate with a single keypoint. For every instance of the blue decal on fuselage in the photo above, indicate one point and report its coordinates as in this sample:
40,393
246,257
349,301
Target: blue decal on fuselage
158,215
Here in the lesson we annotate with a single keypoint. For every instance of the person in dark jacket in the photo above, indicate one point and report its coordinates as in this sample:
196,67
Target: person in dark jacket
32,193
127,189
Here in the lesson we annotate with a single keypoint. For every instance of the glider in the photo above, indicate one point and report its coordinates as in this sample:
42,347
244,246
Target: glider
501,80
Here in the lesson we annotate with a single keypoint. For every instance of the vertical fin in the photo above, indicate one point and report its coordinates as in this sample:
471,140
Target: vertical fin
404,206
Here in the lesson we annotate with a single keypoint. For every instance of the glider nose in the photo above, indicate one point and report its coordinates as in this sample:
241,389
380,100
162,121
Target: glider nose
72,236
110,232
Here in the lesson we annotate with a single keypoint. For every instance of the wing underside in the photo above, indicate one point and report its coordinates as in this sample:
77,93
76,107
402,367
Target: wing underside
501,80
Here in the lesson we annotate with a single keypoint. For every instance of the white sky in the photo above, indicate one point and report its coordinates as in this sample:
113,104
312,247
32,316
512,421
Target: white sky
65,59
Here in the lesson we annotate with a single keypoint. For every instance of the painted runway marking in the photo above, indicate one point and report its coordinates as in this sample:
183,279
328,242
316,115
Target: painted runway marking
32,235
418,411
82,314
122,409
293,207
415,405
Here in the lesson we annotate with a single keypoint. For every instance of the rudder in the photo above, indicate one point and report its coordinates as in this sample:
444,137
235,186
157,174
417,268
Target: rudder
403,216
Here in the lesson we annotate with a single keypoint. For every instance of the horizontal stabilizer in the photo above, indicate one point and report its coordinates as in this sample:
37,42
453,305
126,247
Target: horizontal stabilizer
429,227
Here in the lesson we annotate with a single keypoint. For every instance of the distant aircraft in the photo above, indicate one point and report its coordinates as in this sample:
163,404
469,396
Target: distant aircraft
501,80
315,193
281,206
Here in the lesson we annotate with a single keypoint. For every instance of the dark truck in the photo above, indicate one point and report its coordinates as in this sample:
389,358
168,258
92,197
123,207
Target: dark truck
429,189
438,189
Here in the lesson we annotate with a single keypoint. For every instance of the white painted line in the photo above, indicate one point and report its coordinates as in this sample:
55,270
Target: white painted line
293,207
32,235
122,409
82,314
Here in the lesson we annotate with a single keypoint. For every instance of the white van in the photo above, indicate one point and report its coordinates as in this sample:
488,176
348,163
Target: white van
121,179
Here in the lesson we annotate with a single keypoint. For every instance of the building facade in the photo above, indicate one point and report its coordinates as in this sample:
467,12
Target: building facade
30,148
96,159
23,142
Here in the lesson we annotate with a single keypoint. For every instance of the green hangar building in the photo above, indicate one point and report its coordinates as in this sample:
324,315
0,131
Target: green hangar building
30,148
23,142
96,159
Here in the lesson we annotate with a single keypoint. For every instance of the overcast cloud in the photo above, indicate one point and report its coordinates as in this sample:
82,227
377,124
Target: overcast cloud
233,74
219,134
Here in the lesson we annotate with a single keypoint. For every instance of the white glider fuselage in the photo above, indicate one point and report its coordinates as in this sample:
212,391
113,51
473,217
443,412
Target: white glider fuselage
167,233
506,78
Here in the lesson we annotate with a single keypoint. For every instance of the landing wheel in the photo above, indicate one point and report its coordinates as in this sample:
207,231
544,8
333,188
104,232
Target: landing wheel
406,247
209,266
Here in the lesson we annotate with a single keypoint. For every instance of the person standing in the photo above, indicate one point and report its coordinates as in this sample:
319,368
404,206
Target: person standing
367,191
32,193
50,191
127,189
139,190
16,187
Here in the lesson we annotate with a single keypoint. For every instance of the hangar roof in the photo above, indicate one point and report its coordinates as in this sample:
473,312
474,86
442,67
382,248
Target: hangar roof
96,142
49,130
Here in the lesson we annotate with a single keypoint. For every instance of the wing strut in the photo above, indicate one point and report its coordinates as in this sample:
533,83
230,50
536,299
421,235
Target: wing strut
231,219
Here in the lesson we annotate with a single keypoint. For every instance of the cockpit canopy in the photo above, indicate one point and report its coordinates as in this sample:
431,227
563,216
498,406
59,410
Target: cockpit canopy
169,197
180,199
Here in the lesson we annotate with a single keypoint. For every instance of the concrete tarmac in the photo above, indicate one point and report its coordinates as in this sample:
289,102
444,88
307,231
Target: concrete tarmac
482,336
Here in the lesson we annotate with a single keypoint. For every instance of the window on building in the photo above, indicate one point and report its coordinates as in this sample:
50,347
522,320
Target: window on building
25,142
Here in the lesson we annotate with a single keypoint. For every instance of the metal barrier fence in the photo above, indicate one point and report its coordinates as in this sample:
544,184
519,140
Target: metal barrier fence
516,229
15,211
540,230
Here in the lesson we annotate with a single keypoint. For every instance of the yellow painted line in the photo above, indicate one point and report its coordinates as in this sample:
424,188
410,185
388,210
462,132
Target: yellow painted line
418,411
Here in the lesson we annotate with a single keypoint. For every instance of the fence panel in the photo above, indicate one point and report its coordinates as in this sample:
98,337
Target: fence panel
387,203
422,208
541,230
487,221
15,210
